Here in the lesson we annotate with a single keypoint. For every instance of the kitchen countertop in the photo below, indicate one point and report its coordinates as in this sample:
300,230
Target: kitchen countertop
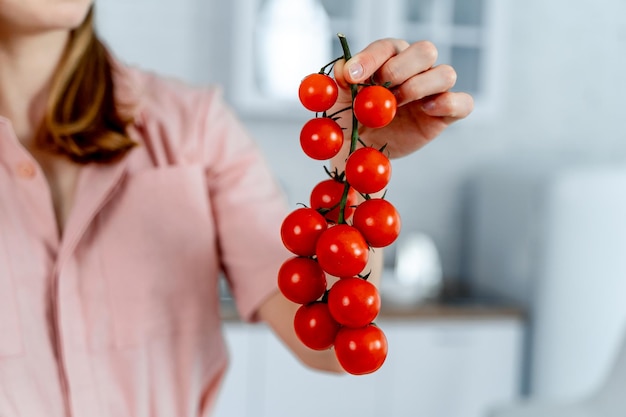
452,310
450,306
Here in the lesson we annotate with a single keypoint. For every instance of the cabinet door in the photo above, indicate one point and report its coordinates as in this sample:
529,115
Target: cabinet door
452,368
290,389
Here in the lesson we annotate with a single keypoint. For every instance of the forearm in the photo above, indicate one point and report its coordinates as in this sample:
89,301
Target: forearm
278,313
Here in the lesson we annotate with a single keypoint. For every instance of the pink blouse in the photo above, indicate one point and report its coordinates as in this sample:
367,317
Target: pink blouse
121,316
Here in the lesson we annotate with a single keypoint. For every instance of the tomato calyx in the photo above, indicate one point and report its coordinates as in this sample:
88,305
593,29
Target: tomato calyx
334,114
366,276
326,198
324,298
335,174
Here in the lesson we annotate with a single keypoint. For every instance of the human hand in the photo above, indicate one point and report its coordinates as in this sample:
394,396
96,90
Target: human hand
425,105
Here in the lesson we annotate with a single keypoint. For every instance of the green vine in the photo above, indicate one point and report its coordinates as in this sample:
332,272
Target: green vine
354,139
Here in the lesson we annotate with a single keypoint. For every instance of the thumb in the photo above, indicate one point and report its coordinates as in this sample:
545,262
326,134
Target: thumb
342,82
339,73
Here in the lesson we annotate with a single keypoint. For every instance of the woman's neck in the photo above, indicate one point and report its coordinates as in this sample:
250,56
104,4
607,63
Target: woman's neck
27,65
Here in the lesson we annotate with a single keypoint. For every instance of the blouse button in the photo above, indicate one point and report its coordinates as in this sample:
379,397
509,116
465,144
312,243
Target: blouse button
26,169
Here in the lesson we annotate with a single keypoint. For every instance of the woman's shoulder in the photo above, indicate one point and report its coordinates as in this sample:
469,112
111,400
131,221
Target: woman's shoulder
157,93
175,116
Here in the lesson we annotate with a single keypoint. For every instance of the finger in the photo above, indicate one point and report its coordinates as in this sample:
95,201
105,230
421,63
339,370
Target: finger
417,58
362,65
451,105
436,80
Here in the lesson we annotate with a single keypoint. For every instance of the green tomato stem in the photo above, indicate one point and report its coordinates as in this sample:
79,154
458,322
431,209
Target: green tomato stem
330,64
354,139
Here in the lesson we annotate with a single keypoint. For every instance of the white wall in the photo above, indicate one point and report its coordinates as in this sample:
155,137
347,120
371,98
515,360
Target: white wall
563,99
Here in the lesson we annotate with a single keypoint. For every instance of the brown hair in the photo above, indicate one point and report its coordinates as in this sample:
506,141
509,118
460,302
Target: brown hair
81,118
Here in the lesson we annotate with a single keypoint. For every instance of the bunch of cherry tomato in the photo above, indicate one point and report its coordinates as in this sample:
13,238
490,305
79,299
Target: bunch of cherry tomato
334,234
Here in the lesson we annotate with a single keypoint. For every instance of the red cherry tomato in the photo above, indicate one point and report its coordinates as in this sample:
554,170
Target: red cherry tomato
321,138
342,251
314,326
368,170
318,92
301,229
326,195
354,302
301,280
378,221
375,106
361,350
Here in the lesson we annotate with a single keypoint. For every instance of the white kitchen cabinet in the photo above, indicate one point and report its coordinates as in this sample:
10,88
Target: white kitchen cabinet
453,368
469,34
436,367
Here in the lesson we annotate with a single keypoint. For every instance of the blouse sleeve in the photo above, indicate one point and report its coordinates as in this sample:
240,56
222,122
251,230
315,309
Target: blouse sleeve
248,207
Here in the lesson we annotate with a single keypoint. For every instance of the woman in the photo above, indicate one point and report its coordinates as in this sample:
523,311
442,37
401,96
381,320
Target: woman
123,196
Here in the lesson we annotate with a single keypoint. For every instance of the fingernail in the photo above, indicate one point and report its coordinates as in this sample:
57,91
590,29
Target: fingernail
429,106
355,70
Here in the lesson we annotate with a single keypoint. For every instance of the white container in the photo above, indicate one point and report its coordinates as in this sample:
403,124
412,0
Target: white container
417,274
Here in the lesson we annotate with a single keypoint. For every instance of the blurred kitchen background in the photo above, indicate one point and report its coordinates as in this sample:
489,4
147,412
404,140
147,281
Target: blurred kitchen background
508,283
